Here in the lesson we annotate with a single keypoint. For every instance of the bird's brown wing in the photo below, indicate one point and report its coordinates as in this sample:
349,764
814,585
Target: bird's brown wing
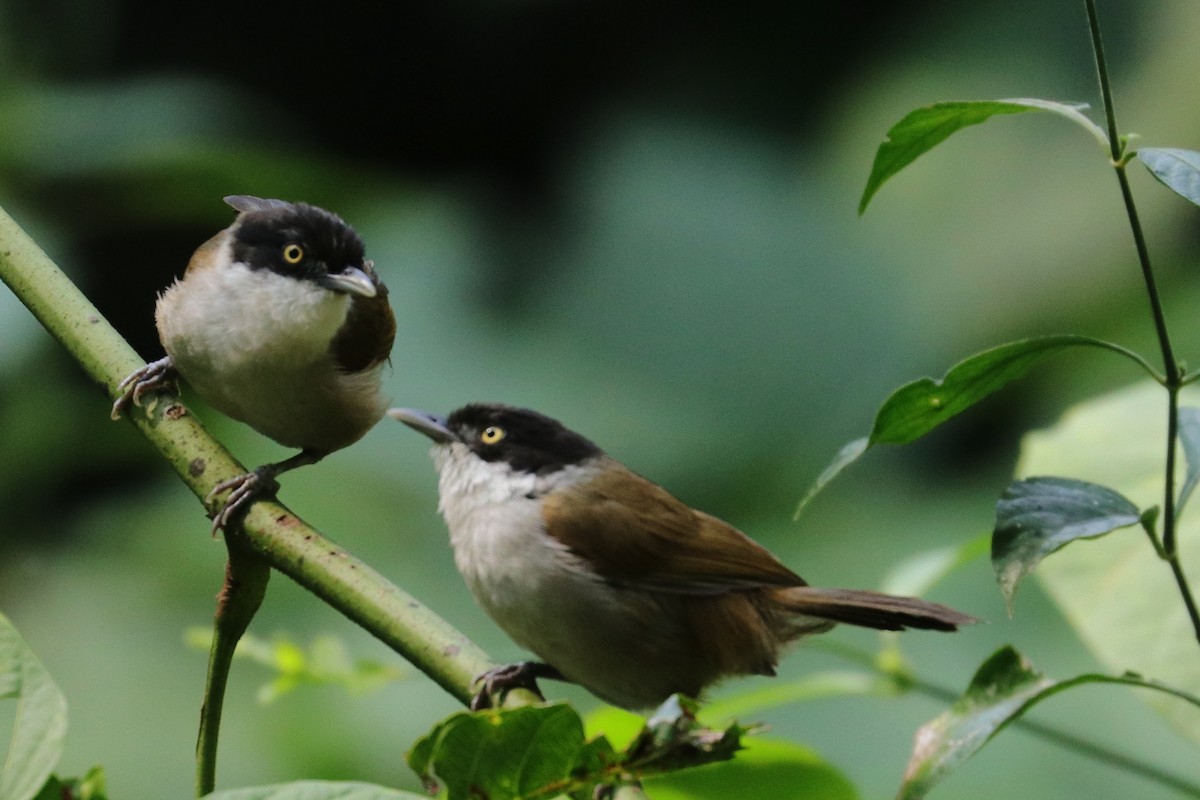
632,531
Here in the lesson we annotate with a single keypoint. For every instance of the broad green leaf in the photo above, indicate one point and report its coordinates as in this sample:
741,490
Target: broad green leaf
916,575
1037,516
1115,592
1189,437
40,722
315,790
503,753
541,752
916,408
925,128
817,686
1004,688
765,770
1178,170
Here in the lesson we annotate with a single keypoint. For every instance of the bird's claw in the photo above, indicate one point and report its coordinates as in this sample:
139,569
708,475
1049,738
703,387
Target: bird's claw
243,490
150,377
521,675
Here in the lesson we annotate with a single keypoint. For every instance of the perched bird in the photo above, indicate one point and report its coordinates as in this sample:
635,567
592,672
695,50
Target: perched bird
281,323
613,582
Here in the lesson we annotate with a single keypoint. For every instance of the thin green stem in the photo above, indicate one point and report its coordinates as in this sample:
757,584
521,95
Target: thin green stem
241,596
1110,114
1050,733
1171,367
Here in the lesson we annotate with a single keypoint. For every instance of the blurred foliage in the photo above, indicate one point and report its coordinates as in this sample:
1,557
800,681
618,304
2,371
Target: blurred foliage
640,219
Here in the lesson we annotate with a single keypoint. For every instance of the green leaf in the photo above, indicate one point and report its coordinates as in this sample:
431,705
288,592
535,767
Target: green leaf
1115,592
916,408
40,723
925,128
1037,516
766,770
506,753
1004,688
540,751
315,790
916,575
1178,170
845,457
1189,437
326,661
89,787
816,686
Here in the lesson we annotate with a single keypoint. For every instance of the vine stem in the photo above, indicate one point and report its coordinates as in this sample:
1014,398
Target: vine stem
1173,372
1049,733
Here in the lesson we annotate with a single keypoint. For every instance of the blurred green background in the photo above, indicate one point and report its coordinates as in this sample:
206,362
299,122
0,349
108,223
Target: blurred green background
638,218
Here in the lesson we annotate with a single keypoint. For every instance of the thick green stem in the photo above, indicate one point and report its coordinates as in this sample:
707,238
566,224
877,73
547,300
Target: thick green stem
241,595
282,540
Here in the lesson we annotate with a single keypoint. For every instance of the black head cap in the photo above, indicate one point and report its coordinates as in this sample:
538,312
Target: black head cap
293,239
526,440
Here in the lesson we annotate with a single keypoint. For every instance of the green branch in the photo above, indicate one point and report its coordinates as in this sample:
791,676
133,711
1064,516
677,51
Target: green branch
281,539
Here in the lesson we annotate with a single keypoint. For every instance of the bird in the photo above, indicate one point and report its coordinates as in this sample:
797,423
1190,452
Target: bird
280,322
611,581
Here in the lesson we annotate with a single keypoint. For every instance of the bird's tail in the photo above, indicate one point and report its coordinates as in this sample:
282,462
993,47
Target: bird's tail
868,609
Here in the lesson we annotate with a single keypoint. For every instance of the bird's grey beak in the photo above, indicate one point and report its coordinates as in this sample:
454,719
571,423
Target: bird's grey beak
352,280
431,425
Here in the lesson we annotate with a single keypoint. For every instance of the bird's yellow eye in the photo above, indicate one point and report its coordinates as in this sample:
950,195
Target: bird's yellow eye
491,434
293,253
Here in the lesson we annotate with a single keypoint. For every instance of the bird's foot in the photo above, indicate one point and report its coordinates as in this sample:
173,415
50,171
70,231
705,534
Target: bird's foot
522,675
243,491
151,377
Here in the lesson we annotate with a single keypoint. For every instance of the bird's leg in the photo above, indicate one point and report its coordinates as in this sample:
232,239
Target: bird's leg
154,375
244,489
522,675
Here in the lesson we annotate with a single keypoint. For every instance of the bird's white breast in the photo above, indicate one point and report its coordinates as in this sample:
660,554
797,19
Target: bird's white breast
539,592
255,345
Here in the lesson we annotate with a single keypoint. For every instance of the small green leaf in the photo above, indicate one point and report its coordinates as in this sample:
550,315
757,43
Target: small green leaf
89,787
1037,516
40,721
916,408
845,457
815,686
325,661
1178,170
765,770
917,574
1189,436
925,128
315,790
1004,688
673,739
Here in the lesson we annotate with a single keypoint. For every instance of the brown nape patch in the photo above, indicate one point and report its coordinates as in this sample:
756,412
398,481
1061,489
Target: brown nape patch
203,257
365,338
735,632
